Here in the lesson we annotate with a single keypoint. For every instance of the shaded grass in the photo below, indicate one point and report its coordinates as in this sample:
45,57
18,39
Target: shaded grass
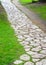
40,10
10,48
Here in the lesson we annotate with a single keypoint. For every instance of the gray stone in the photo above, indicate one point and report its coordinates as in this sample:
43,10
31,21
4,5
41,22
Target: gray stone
38,56
31,53
43,52
25,57
43,45
38,29
44,40
28,39
34,44
27,46
42,62
17,62
20,37
25,42
37,49
29,63
27,49
35,60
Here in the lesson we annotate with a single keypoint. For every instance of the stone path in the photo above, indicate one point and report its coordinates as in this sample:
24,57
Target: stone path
31,37
33,16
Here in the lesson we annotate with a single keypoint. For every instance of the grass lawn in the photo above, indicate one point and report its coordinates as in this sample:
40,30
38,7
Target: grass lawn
39,9
26,1
10,48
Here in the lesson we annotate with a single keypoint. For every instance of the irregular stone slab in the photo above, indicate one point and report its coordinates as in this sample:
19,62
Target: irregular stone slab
27,49
43,45
36,40
27,46
20,37
38,29
26,36
34,44
31,53
37,49
43,52
42,62
17,62
28,39
25,43
44,48
35,54
44,40
29,63
25,57
35,60
38,56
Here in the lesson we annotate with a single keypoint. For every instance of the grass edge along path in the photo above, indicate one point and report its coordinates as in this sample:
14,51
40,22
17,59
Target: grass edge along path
40,10
10,48
37,8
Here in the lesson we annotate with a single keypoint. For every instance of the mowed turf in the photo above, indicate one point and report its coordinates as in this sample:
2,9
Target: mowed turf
10,48
25,1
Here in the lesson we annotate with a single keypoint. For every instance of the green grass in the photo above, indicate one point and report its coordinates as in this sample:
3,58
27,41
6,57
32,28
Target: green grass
10,48
26,1
40,10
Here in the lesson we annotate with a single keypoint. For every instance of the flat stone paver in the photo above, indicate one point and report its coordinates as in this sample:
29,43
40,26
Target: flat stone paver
18,62
43,62
25,57
29,63
31,37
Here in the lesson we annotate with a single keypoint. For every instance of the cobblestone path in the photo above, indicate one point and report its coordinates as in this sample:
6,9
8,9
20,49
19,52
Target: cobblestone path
31,37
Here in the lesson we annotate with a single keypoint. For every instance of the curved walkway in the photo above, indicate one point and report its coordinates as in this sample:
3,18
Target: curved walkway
31,37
